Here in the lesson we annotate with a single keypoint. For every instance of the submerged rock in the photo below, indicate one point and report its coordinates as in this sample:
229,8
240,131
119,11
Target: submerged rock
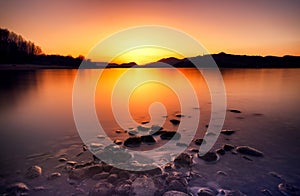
133,142
143,186
143,128
227,132
249,151
288,189
224,192
156,132
103,189
33,172
210,157
54,175
175,121
175,193
205,192
183,160
132,132
17,188
156,128
168,135
148,139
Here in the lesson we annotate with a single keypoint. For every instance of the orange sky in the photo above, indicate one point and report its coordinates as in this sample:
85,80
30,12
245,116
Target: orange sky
73,27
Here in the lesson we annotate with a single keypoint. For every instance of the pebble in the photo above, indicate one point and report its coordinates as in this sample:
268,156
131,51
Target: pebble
222,173
133,141
118,142
174,193
210,157
148,139
288,189
132,132
54,175
182,144
96,146
183,160
175,121
100,136
119,131
34,172
266,192
18,188
156,128
205,192
143,186
62,159
72,163
249,151
227,132
100,176
220,151
143,128
103,189
228,147
199,141
168,135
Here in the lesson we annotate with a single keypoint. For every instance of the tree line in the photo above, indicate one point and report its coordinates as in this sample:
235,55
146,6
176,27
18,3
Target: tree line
14,49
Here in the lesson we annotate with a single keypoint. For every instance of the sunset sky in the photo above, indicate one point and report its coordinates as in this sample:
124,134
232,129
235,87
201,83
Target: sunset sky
73,27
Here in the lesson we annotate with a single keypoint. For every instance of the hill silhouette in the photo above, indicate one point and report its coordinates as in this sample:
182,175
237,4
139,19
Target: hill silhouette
14,49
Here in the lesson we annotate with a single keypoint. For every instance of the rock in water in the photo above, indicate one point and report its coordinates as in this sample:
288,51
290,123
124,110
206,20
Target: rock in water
205,192
143,186
103,189
175,193
143,128
235,111
220,151
288,189
33,172
228,147
175,121
118,142
133,132
179,115
156,128
210,157
148,139
183,160
18,188
249,151
227,132
199,141
168,135
133,142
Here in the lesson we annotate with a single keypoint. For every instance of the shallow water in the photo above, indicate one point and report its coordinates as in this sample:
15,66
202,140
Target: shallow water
36,117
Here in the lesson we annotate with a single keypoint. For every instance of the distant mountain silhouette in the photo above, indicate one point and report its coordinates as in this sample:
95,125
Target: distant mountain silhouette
14,49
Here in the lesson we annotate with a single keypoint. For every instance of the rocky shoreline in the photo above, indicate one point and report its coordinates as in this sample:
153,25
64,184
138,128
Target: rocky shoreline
74,170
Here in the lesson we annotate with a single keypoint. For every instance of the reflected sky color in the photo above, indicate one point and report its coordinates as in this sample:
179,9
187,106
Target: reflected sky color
239,27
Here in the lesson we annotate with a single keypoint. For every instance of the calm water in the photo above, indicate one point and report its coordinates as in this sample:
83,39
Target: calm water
36,109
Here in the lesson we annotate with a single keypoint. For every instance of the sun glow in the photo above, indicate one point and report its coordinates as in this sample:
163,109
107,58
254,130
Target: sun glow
145,55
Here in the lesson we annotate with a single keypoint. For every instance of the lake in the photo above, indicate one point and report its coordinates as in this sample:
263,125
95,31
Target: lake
37,124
